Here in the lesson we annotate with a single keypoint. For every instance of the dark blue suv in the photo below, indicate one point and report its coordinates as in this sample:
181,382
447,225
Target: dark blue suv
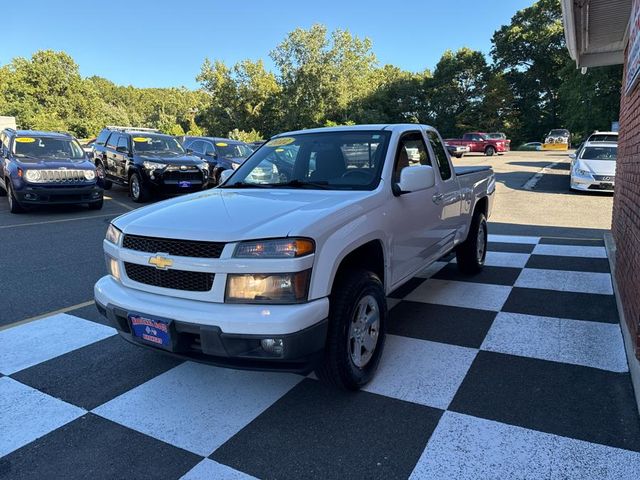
220,153
39,168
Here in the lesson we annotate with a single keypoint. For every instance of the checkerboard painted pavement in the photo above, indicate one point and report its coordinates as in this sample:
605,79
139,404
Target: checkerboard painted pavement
517,372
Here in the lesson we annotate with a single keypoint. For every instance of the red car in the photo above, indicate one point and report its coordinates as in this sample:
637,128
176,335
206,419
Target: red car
482,143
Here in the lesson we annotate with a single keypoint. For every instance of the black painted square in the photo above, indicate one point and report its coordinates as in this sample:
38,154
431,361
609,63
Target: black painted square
491,275
583,242
552,303
510,247
93,375
94,448
572,264
440,323
318,432
568,400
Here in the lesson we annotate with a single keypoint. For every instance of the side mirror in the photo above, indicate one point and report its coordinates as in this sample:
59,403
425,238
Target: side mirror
416,178
122,149
224,176
572,156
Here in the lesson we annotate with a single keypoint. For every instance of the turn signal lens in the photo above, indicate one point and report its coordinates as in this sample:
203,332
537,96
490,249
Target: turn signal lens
278,248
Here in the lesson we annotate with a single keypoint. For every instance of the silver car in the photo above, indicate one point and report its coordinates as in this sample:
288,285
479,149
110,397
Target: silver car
593,168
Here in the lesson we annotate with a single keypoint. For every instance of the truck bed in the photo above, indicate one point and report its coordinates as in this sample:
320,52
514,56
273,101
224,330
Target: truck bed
467,170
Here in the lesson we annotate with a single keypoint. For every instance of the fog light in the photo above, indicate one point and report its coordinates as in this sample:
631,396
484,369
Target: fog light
95,194
30,196
272,345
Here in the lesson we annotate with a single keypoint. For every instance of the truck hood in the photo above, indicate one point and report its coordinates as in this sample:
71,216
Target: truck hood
39,163
171,158
227,215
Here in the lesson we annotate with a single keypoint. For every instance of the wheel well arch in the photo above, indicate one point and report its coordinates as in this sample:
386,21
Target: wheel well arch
482,206
369,256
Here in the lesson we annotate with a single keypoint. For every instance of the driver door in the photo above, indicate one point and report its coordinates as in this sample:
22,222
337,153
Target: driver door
414,216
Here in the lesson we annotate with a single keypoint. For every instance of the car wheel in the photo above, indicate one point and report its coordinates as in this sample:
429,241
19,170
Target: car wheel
458,155
489,151
96,205
137,190
357,326
14,205
102,176
471,254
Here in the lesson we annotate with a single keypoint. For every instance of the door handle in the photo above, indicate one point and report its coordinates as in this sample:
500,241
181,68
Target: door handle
437,197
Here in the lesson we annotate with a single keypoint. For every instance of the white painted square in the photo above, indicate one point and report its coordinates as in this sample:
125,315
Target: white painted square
432,269
420,371
35,342
27,414
570,251
514,239
504,259
208,470
466,447
197,407
579,282
592,344
461,294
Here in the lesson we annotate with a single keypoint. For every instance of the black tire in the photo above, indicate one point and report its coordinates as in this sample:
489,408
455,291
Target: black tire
141,193
458,155
489,151
338,367
96,205
470,254
106,184
14,205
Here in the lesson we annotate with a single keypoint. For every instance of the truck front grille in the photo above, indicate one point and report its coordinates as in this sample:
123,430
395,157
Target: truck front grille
181,248
62,176
174,279
181,176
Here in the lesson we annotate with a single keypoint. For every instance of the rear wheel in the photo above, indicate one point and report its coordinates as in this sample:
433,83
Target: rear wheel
471,254
14,205
138,191
489,151
102,176
357,325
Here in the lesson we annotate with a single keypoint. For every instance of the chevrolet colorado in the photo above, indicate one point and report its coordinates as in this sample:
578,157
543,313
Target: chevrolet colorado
289,268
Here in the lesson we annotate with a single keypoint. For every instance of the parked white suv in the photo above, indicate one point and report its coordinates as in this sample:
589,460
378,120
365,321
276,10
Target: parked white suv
291,273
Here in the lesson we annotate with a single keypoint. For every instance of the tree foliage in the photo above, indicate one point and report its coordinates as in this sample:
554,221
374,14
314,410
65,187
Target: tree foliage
333,78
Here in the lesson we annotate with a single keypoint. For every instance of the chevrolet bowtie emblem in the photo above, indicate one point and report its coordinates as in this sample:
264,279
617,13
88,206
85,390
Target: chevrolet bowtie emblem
160,262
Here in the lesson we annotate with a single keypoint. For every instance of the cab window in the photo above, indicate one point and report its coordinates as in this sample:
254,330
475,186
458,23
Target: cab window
113,140
411,151
441,155
122,142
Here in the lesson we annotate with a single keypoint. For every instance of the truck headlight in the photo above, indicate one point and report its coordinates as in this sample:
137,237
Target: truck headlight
275,248
113,235
268,287
153,165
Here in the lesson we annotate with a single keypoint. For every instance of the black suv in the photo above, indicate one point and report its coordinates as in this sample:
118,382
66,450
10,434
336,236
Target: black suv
39,168
147,162
220,153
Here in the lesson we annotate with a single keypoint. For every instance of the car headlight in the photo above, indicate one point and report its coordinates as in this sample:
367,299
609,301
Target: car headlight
268,287
204,166
113,235
89,174
276,248
583,173
153,165
33,176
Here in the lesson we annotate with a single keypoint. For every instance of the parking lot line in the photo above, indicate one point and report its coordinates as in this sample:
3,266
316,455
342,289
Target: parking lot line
123,205
43,315
89,217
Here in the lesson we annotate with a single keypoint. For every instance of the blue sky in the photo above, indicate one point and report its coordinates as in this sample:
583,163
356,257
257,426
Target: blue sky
163,43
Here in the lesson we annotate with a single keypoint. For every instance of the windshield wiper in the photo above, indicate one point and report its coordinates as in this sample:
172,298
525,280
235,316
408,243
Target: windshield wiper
323,185
247,185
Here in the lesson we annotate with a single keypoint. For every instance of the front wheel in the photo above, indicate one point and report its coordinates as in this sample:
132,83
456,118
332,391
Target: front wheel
489,151
458,155
357,326
14,205
471,254
137,190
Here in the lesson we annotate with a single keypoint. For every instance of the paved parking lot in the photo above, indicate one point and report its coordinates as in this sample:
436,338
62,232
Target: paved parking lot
518,372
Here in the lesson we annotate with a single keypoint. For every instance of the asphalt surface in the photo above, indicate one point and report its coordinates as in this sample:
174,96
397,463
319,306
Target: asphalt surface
51,257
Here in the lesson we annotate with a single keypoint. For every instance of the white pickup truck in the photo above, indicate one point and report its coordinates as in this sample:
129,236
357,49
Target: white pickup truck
287,265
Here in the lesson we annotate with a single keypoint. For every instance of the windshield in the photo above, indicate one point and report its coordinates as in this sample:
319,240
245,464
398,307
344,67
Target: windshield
146,143
48,148
233,150
599,153
559,133
349,160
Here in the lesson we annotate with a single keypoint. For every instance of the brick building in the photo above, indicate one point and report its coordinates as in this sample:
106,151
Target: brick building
607,32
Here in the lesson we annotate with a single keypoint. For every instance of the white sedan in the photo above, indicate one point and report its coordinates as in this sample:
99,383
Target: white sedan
594,167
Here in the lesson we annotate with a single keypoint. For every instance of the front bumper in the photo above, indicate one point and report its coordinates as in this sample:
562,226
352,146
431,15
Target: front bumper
175,181
586,184
223,334
55,194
